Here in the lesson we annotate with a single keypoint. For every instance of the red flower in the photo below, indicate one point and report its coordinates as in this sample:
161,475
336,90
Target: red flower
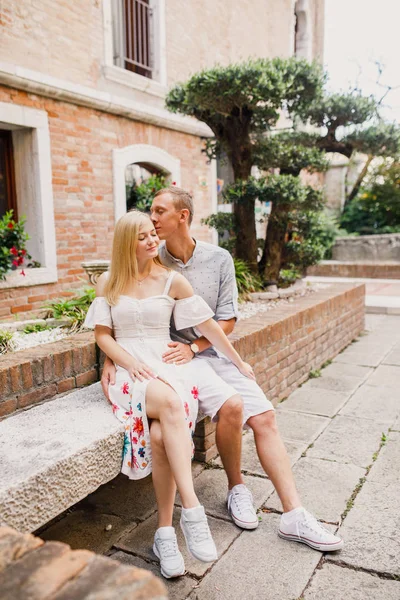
125,388
23,252
10,225
22,273
190,425
174,183
195,392
186,407
138,426
14,251
15,262
20,260
134,440
114,407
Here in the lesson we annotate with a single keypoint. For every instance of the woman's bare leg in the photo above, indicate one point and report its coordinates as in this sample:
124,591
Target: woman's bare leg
163,480
164,405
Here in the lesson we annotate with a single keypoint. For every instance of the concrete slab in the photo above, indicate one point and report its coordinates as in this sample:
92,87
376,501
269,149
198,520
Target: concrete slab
324,487
387,467
371,530
339,383
211,488
380,404
131,500
314,401
333,582
366,359
386,375
300,427
87,530
58,436
349,440
347,370
260,565
178,588
140,541
393,358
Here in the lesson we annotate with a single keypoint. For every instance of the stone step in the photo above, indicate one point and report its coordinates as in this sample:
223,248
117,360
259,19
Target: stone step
55,454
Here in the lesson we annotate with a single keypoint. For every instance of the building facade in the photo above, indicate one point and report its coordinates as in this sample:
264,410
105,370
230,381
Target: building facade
82,88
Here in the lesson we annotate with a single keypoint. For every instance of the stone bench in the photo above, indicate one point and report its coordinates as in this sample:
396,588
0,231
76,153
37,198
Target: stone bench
31,568
55,454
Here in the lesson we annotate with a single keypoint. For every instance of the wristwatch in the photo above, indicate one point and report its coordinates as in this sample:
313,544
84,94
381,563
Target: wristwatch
194,348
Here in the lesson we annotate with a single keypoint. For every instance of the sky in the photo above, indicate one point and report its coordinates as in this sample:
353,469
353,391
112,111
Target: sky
357,34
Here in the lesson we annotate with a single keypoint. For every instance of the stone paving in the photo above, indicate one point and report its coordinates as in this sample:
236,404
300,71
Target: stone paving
342,431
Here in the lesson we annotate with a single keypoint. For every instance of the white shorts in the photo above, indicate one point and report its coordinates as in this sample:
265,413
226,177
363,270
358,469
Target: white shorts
213,393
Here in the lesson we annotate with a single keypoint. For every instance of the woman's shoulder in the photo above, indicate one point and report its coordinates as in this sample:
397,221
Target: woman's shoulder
180,287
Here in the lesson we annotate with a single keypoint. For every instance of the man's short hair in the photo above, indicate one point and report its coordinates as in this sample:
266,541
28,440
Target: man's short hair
181,199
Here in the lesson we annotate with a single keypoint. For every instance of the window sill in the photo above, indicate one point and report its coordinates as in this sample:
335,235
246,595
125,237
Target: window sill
132,80
32,277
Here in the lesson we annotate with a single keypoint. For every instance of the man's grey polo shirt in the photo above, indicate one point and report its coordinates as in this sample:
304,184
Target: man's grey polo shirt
211,272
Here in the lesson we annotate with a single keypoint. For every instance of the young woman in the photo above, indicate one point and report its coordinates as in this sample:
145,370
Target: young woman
131,317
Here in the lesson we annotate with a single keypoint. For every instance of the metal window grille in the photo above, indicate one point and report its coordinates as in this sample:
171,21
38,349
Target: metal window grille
134,36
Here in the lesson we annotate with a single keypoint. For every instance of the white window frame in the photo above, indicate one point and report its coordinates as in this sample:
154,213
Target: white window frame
156,86
140,153
37,205
303,41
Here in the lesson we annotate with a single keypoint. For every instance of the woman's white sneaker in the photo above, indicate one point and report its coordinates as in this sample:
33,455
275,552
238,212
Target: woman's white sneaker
240,507
300,526
197,534
166,549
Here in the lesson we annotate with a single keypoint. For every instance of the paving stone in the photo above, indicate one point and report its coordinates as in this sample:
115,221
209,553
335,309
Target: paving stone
211,488
87,530
386,375
366,359
259,565
371,529
335,370
386,469
296,426
380,404
333,582
393,358
314,401
130,500
348,440
339,383
140,541
178,588
324,487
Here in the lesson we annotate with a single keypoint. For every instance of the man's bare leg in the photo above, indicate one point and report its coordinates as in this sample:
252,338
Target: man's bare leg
229,438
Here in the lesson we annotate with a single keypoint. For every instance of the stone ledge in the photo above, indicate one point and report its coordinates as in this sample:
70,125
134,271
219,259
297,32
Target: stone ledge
358,269
30,566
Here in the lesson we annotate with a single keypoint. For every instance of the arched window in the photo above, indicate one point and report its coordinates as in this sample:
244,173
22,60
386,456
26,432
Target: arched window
135,165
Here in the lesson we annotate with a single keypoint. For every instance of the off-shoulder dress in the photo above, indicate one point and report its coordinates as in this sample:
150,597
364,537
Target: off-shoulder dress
142,328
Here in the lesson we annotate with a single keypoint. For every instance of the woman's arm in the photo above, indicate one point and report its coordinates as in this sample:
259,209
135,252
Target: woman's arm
181,289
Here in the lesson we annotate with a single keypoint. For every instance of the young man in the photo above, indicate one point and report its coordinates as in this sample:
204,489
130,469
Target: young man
210,271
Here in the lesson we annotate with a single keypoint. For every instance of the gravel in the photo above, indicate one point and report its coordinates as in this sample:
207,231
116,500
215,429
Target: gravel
21,341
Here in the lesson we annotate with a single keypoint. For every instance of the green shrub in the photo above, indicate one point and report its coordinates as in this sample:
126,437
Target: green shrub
224,224
5,341
247,281
140,195
74,308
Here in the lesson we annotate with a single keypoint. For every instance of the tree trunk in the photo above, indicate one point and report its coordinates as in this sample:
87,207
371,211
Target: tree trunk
359,181
270,263
246,237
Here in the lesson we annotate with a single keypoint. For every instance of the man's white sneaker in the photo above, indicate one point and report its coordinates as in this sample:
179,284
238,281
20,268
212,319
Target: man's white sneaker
166,549
197,534
240,507
300,526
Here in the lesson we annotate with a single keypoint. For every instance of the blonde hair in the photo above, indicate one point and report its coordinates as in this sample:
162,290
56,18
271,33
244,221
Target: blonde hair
124,265
181,199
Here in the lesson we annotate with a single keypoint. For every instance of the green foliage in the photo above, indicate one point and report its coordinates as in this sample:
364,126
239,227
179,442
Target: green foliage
140,195
285,151
288,277
35,328
342,110
5,341
314,373
377,208
381,139
247,281
224,224
74,308
13,240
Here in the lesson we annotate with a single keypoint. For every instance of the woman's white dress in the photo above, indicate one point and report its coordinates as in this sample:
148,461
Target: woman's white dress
141,327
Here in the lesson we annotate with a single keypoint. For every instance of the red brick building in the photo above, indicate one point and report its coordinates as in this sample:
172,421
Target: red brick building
82,87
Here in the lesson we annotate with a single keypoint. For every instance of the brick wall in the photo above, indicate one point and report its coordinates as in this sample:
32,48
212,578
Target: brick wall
82,141
363,270
282,345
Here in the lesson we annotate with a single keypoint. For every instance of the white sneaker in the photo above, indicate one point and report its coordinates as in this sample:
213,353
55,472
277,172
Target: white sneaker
240,507
166,549
304,527
197,534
